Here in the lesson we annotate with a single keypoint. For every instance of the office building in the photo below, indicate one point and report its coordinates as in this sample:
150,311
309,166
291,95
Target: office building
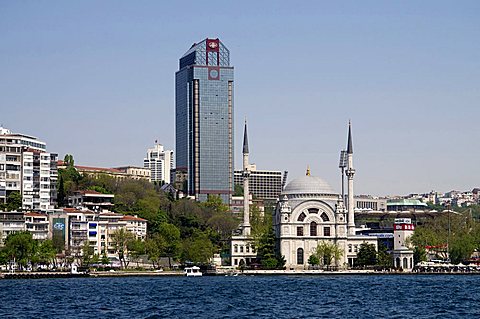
160,162
204,120
264,184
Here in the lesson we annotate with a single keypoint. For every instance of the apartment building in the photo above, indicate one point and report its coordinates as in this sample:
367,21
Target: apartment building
26,167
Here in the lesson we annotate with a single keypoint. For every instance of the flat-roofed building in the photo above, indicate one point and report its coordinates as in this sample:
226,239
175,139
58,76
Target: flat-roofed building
159,162
27,168
263,184
10,223
92,200
37,224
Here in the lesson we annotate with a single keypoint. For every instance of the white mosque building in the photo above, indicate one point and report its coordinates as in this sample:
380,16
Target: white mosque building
309,212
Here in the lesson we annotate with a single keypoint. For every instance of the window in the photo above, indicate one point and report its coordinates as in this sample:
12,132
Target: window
241,249
313,229
300,231
326,231
302,216
313,210
350,248
300,256
235,249
247,248
324,217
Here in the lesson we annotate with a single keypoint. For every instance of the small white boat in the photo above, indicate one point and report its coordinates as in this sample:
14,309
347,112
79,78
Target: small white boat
193,271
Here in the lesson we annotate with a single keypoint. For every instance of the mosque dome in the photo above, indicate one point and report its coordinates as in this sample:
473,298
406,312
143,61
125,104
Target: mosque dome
308,185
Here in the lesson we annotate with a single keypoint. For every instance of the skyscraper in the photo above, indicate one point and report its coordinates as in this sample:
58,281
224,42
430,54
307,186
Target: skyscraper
160,162
204,120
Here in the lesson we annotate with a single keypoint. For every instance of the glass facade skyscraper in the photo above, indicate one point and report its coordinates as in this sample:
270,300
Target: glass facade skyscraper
204,120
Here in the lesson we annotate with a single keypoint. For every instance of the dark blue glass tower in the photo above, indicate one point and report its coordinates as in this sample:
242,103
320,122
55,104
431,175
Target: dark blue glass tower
204,120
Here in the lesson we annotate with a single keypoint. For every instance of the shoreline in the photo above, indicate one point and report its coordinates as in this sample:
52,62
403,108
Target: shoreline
221,273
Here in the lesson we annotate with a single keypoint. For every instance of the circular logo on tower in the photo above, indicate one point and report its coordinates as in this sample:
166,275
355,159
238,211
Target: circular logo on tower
212,45
213,73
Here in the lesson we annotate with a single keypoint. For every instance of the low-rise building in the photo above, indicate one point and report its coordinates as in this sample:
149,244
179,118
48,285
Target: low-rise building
92,200
37,224
135,225
136,172
10,222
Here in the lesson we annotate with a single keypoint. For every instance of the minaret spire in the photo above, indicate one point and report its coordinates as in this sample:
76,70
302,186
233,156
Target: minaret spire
246,191
350,142
245,139
350,172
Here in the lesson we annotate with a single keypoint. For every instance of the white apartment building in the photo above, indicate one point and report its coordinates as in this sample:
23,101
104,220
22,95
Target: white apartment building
83,225
160,162
26,167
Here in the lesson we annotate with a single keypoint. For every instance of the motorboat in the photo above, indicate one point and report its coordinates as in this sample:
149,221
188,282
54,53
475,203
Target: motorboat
193,271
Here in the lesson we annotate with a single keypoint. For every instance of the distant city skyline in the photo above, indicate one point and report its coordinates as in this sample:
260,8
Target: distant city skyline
96,80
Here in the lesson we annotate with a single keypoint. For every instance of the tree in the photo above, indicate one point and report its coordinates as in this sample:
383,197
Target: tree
20,247
45,253
313,260
384,259
419,254
105,260
327,252
171,236
198,249
154,248
136,249
238,190
367,255
87,254
121,239
13,202
61,192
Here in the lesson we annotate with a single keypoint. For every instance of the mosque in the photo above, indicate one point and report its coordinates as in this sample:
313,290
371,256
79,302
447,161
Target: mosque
308,213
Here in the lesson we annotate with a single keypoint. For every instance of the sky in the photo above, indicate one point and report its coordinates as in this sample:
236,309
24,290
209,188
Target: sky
96,79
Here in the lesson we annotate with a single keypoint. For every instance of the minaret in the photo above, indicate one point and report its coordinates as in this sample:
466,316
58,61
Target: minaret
350,172
246,192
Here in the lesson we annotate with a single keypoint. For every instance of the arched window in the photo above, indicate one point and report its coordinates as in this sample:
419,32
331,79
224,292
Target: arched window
302,216
405,263
235,248
324,217
313,229
300,256
397,262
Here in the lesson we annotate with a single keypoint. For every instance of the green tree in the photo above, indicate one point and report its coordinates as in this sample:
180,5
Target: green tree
238,190
384,259
171,235
121,240
45,253
367,255
327,252
313,260
105,261
197,249
20,247
154,248
136,249
13,202
61,196
87,254
419,254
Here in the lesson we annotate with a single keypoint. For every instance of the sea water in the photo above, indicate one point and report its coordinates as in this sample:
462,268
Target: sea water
346,296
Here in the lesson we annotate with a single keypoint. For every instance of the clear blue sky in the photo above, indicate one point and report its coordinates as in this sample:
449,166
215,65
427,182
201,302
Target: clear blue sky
96,79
